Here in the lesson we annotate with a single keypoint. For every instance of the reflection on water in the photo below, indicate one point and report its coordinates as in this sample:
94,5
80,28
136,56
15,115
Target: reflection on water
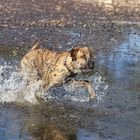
50,132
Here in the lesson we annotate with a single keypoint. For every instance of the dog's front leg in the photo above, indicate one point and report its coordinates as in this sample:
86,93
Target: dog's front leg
88,85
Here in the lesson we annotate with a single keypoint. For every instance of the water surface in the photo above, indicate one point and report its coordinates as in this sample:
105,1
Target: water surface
115,115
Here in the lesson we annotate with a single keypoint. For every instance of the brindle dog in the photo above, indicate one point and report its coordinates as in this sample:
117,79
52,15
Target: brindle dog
56,68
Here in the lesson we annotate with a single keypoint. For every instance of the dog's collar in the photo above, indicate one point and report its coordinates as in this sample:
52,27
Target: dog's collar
66,65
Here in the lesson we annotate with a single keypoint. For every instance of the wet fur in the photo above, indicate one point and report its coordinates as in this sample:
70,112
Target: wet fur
54,68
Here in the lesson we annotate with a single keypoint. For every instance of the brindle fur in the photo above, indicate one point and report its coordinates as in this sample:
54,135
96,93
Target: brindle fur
54,68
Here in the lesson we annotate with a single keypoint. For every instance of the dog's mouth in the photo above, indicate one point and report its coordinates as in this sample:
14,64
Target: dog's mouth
85,68
88,68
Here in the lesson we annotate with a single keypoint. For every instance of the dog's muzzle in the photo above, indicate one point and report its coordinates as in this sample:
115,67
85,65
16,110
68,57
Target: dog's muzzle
88,68
91,64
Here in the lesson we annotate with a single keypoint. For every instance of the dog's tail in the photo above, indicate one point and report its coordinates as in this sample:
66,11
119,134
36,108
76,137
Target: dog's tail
36,46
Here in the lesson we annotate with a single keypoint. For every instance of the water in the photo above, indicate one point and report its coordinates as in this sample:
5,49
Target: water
121,66
67,112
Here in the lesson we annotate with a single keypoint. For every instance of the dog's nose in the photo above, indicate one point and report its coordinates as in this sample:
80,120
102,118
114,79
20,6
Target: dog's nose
91,64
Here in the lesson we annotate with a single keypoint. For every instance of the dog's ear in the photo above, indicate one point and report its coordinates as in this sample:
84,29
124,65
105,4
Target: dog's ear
36,46
73,53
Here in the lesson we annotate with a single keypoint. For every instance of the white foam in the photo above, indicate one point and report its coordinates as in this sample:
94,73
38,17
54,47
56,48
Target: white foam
13,88
101,87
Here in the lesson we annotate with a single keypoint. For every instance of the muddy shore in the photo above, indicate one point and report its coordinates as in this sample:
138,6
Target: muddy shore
23,22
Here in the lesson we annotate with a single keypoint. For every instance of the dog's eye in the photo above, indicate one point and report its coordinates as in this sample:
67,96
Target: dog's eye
54,74
83,56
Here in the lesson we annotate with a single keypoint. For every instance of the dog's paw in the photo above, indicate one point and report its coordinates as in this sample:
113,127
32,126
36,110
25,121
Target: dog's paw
92,96
93,99
93,102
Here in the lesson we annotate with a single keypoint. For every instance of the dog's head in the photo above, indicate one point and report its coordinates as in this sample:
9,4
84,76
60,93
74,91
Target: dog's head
83,58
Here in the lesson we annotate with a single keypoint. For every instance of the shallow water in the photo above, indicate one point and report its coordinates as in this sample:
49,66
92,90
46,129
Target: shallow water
67,113
121,66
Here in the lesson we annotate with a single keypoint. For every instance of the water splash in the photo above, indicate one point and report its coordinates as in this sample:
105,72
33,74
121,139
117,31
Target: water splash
15,89
80,95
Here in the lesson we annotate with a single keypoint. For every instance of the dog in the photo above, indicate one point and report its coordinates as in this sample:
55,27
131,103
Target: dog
57,68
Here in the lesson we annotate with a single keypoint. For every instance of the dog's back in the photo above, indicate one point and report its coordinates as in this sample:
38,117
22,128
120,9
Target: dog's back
34,59
48,65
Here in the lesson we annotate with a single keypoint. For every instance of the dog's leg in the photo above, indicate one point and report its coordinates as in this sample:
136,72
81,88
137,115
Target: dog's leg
39,93
88,85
